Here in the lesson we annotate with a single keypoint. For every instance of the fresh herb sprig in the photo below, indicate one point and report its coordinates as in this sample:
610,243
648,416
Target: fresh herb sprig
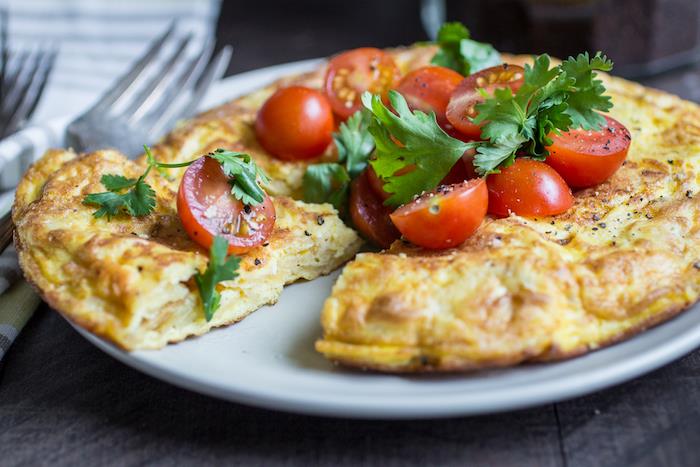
329,182
551,100
409,139
462,54
221,267
245,176
139,199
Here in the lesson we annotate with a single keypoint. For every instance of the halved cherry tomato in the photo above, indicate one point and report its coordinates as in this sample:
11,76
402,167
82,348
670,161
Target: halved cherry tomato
369,215
295,123
461,108
429,89
585,158
528,188
207,209
445,217
353,72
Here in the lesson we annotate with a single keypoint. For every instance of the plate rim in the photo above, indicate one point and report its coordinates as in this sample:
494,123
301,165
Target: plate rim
624,370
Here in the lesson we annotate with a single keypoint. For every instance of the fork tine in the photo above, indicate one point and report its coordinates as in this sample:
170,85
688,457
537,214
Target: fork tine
15,66
125,85
147,97
180,85
214,70
34,91
31,91
12,105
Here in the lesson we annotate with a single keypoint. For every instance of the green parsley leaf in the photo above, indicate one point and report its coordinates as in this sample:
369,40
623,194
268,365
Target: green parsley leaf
109,203
551,100
409,139
589,96
462,54
330,182
220,268
141,199
138,201
117,182
244,175
327,183
354,142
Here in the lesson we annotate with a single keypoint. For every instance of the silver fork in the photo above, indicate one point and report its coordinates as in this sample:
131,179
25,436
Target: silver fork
23,77
140,106
149,98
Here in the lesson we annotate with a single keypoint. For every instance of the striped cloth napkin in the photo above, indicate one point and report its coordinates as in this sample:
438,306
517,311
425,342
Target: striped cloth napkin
97,41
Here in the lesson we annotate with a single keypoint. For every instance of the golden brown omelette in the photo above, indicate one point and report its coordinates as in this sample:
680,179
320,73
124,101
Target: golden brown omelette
624,258
130,279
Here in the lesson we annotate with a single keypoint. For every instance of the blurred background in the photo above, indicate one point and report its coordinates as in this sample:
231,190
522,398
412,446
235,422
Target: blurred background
653,41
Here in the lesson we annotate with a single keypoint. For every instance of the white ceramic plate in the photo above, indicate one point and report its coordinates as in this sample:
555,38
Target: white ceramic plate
268,359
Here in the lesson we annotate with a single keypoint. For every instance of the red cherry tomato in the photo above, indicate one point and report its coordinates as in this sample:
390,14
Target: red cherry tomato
353,72
461,107
207,209
295,123
428,89
369,215
445,217
585,158
528,188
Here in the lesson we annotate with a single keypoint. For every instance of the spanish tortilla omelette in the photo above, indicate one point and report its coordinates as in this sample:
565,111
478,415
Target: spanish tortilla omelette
521,289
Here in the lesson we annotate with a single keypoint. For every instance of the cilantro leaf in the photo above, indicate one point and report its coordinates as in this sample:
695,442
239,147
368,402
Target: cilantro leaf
330,182
140,200
220,268
109,203
327,183
354,142
409,139
244,173
550,101
462,54
502,153
588,97
115,182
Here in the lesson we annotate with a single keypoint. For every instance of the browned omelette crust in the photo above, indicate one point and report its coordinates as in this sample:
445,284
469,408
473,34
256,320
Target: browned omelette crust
130,279
624,258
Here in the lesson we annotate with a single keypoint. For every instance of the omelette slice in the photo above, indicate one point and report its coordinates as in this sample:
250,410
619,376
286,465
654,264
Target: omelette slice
130,279
625,257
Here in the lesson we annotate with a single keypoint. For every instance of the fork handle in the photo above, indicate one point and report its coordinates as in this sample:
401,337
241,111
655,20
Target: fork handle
20,150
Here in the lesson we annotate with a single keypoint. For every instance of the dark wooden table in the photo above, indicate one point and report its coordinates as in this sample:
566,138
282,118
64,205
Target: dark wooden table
63,402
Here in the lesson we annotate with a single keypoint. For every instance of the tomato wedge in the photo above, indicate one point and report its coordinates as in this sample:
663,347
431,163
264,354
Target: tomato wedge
369,215
461,107
208,209
444,217
528,188
353,72
429,89
295,123
585,158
